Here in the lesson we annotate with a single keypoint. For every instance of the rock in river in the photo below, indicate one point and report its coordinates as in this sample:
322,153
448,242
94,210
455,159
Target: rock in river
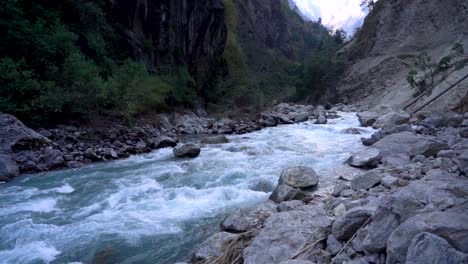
366,158
215,140
187,151
299,177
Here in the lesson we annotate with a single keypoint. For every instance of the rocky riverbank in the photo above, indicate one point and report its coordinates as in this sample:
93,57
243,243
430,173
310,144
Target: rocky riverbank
23,150
409,204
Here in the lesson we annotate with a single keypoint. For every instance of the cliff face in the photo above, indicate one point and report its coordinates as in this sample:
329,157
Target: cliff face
160,32
387,47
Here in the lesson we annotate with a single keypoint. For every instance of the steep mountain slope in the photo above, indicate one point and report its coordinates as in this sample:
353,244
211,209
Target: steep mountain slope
392,39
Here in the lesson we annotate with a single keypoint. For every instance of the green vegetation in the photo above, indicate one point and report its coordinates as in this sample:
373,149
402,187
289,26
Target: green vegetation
428,73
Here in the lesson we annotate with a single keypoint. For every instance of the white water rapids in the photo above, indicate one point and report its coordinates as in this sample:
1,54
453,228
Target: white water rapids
155,208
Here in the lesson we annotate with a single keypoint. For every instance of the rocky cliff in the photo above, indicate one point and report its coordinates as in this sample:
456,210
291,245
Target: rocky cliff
391,41
160,32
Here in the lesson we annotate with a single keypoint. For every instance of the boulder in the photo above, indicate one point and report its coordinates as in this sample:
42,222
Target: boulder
389,181
428,148
283,235
165,142
366,180
428,248
462,162
299,177
333,245
91,155
368,158
410,144
286,193
391,120
297,261
187,151
289,205
345,226
367,118
8,168
321,120
299,117
320,111
15,136
250,218
220,139
383,133
450,225
444,119
352,131
213,246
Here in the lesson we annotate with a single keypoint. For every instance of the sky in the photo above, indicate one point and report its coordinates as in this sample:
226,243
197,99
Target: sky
346,14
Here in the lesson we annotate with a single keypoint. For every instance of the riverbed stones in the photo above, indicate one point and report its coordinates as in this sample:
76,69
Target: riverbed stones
187,151
426,247
213,246
250,218
391,120
444,119
345,226
321,120
220,139
8,168
299,177
285,192
15,136
366,180
367,118
368,158
283,235
164,142
333,245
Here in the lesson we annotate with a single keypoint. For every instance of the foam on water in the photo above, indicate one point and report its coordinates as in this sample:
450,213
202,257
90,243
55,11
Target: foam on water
154,208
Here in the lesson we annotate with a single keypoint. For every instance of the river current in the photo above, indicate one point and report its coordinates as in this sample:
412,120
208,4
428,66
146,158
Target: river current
154,208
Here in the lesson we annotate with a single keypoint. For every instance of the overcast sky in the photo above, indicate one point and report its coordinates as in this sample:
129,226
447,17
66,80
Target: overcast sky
346,14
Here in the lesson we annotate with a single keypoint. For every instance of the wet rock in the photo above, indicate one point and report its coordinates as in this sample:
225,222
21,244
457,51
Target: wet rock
321,120
300,117
8,168
299,177
367,118
213,246
262,185
368,158
105,256
352,131
286,193
215,140
429,248
345,226
452,226
391,120
320,111
283,235
52,159
249,218
187,151
339,188
165,142
74,164
366,180
91,155
15,136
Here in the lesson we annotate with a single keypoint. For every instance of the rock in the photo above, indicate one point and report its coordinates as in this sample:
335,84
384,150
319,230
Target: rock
333,245
299,177
340,210
352,131
429,248
52,159
383,133
297,261
462,162
8,168
215,140
187,150
347,193
389,181
339,188
444,119
391,120
300,117
213,246
451,225
464,132
428,148
165,142
91,155
320,111
367,118
321,120
286,193
283,235
15,136
450,154
74,164
366,180
250,218
345,226
410,144
368,158
289,205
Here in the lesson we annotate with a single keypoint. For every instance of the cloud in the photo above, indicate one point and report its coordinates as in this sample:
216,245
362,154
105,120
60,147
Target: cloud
346,14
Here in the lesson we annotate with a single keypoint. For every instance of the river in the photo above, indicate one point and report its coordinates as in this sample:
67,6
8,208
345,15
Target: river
154,208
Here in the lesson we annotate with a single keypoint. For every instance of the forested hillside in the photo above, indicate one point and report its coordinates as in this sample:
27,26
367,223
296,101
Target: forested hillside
63,59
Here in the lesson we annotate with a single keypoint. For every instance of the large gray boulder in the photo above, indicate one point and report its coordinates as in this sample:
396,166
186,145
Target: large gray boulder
410,144
427,248
250,218
369,158
462,162
285,192
8,168
284,234
345,226
213,246
15,136
391,120
450,225
187,151
299,177
367,118
444,119
321,120
366,180
383,133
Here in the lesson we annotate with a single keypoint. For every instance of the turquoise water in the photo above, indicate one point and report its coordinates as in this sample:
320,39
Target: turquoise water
155,208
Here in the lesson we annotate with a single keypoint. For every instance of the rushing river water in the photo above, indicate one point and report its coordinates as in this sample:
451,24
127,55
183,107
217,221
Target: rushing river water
155,208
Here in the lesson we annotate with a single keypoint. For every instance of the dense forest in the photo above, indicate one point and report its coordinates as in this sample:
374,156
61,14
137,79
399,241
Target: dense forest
62,59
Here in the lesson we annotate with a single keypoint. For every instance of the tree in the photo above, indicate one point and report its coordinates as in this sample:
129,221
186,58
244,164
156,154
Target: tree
369,4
